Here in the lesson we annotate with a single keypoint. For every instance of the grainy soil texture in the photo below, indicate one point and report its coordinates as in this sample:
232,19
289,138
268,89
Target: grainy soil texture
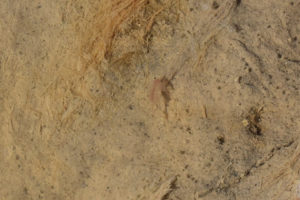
149,99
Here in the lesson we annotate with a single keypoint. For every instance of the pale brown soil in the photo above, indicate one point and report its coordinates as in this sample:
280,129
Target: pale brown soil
157,99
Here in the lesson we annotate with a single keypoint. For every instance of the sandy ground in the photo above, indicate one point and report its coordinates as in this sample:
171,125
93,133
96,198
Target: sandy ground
149,100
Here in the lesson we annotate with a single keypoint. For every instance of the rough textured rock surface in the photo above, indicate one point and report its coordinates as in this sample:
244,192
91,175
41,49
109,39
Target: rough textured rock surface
156,99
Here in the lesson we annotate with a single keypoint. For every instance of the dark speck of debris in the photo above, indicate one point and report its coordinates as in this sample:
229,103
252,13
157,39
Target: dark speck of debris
279,55
215,5
247,173
130,107
221,140
25,190
240,79
237,28
188,129
141,124
252,121
270,76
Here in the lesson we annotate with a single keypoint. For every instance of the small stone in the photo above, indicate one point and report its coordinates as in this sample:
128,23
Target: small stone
245,122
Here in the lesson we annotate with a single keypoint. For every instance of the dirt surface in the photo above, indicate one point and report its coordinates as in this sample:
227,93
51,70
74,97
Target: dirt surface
157,99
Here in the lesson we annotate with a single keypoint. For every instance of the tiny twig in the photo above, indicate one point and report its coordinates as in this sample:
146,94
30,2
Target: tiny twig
204,111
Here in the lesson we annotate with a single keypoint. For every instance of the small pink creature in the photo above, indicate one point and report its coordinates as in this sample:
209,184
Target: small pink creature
161,88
